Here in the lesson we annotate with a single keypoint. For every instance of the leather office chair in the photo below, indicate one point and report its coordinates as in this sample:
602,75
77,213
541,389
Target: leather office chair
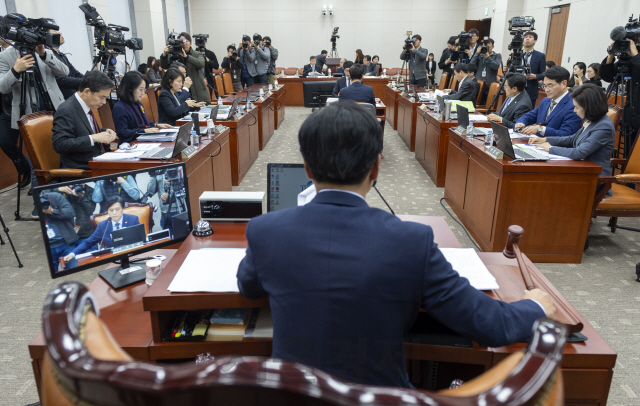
147,107
84,365
279,70
228,83
153,93
36,131
300,71
217,71
454,83
615,114
493,89
144,212
290,71
480,88
219,86
444,81
106,120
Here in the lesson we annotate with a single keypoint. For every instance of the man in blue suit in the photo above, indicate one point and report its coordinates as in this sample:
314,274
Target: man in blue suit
358,91
537,62
554,117
345,281
116,221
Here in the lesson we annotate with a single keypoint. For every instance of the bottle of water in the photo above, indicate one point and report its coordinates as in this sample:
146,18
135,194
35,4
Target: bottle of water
437,107
220,101
328,72
470,130
488,139
195,139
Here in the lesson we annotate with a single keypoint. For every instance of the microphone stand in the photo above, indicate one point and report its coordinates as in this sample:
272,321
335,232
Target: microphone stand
379,194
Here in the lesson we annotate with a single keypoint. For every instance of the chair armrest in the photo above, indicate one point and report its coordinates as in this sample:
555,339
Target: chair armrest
603,180
628,178
69,172
618,161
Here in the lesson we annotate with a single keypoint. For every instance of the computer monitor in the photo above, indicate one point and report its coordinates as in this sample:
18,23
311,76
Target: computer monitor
503,139
284,183
93,221
463,117
315,92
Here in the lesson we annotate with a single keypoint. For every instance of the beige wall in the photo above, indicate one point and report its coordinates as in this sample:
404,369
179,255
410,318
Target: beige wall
150,24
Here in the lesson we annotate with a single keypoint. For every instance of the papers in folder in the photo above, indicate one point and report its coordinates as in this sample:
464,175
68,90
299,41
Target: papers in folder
209,270
477,117
468,264
163,136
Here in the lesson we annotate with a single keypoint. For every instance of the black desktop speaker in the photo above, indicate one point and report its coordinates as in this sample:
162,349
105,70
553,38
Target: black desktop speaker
180,225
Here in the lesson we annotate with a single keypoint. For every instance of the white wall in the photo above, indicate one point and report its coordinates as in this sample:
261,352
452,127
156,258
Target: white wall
181,23
119,15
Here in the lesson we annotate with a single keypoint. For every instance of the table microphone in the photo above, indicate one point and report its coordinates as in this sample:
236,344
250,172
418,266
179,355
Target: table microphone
105,231
385,202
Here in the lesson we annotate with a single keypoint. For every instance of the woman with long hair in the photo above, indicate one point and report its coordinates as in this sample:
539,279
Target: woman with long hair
359,56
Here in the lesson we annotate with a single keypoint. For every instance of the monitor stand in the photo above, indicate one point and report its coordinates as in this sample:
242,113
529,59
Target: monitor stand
124,275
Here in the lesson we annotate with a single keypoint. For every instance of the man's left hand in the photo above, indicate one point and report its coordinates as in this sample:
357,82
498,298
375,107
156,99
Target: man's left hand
633,51
494,117
41,51
49,210
120,180
532,76
531,130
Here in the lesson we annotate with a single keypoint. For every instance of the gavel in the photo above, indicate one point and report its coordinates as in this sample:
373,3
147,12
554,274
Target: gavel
512,250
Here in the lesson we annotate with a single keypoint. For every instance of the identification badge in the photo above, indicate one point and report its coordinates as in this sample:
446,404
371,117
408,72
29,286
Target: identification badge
50,233
452,65
484,73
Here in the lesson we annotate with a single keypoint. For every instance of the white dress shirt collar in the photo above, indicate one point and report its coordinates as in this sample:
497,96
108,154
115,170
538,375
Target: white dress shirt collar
557,99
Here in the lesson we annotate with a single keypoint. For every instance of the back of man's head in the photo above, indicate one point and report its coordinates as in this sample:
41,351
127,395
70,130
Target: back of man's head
324,52
95,81
340,143
356,71
452,40
347,65
461,67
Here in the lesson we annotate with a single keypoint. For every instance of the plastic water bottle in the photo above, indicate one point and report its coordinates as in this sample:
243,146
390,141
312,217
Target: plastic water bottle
328,72
384,72
195,139
276,84
488,139
470,130
219,101
437,107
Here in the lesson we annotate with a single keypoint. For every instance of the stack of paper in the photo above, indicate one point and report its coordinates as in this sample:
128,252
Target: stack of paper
209,270
161,136
332,99
468,264
119,156
477,117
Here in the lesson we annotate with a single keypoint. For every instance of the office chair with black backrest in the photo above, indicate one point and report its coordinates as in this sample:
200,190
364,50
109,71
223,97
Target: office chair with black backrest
84,365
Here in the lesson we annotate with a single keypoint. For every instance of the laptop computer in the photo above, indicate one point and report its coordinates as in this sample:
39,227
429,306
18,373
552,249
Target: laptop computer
463,121
284,183
181,142
227,114
504,144
128,237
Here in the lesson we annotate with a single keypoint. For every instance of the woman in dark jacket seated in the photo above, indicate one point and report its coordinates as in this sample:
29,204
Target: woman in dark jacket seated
128,114
595,140
170,108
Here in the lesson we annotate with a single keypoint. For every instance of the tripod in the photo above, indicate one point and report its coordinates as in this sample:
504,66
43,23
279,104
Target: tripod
623,81
334,50
406,63
6,231
30,80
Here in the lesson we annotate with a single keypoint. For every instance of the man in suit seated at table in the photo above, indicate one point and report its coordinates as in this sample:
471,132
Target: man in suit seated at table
554,116
117,220
311,69
77,137
467,88
358,91
345,281
517,103
344,81
341,67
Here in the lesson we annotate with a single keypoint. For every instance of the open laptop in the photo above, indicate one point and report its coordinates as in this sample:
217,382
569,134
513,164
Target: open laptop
227,114
181,142
463,121
284,183
128,237
504,144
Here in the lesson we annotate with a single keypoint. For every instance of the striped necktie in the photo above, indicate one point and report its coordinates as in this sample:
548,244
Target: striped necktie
505,106
551,107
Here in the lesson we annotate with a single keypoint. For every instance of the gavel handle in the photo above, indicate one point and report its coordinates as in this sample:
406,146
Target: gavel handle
523,268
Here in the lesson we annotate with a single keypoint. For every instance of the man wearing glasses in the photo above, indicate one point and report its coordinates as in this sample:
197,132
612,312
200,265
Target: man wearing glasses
554,117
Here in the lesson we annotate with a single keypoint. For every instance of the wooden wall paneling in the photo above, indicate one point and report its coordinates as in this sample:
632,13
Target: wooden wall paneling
421,138
221,164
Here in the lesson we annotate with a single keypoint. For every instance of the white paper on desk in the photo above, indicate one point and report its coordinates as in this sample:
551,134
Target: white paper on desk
517,136
145,147
544,153
468,264
332,99
118,156
162,131
477,117
209,270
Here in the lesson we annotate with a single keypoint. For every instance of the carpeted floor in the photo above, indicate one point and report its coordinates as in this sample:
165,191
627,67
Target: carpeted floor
602,287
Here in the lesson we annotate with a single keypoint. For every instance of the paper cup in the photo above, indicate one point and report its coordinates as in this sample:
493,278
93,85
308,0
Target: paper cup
154,267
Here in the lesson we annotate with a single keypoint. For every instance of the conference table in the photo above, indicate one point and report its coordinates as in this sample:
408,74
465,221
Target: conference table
138,315
295,97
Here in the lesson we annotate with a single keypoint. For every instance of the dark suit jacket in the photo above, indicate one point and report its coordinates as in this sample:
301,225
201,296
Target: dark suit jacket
340,84
562,121
355,286
68,84
103,233
340,70
538,65
321,60
169,110
307,70
468,91
71,130
441,64
359,93
520,105
125,124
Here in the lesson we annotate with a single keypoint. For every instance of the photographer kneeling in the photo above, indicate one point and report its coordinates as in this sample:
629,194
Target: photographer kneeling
194,62
232,65
129,117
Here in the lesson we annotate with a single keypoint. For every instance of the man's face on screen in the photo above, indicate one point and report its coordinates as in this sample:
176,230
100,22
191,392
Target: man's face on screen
115,212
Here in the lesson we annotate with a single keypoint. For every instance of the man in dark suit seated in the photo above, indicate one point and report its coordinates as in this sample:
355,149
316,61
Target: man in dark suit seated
344,81
341,68
117,220
311,69
358,91
467,88
517,103
345,281
554,116
76,134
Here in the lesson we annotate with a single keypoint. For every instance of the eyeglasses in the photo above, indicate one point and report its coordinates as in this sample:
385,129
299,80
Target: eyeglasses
546,87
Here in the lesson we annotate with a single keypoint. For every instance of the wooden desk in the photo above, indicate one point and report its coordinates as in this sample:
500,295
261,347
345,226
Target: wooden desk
390,99
294,95
8,173
279,108
552,200
406,116
432,143
266,118
209,169
244,143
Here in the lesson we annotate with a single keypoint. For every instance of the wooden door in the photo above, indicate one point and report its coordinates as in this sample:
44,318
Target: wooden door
557,31
477,24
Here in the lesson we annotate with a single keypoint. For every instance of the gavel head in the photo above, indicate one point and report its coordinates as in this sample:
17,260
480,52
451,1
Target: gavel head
515,234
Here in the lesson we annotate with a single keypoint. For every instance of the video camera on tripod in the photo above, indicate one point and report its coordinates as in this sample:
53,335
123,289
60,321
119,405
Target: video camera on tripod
200,40
27,33
175,46
517,27
620,35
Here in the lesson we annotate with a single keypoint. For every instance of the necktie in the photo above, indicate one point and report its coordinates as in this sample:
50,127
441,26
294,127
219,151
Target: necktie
551,107
117,226
505,105
96,127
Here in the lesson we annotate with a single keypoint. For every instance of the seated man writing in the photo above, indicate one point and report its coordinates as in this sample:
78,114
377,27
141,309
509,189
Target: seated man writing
517,102
311,69
116,221
354,277
358,91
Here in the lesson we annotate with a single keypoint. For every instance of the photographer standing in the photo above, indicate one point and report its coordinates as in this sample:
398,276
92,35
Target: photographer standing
80,197
608,70
233,66
260,56
210,57
248,67
446,62
488,64
537,63
194,63
271,72
418,65
170,203
68,84
59,215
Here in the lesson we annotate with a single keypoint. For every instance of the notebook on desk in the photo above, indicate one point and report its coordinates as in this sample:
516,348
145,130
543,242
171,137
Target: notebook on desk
504,144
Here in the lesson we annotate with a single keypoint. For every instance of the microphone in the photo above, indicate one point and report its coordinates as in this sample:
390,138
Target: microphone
385,202
618,33
105,230
544,124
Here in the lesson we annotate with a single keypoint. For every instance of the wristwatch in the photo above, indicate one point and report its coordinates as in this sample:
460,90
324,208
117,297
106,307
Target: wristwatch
541,129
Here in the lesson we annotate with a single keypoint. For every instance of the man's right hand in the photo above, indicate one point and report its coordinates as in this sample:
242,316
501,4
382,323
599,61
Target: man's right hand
105,137
542,298
69,257
166,51
518,125
23,63
187,83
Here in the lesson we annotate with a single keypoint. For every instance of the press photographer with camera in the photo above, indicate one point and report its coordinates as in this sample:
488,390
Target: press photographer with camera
209,56
417,60
171,195
447,63
232,65
68,84
125,187
488,63
260,56
273,52
537,64
58,218
248,69
194,63
80,197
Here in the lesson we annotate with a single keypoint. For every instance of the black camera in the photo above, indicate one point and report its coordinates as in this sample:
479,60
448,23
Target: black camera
27,34
78,189
172,174
334,35
175,46
245,45
463,39
620,35
200,40
408,43
44,201
517,27
267,42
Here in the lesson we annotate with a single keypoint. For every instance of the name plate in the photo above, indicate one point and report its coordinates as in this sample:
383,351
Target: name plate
269,93
460,130
189,152
403,94
412,100
423,107
260,99
495,153
219,128
438,116
238,116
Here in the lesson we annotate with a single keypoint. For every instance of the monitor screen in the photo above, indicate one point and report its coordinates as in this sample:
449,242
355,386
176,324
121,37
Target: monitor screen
93,221
315,92
284,183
